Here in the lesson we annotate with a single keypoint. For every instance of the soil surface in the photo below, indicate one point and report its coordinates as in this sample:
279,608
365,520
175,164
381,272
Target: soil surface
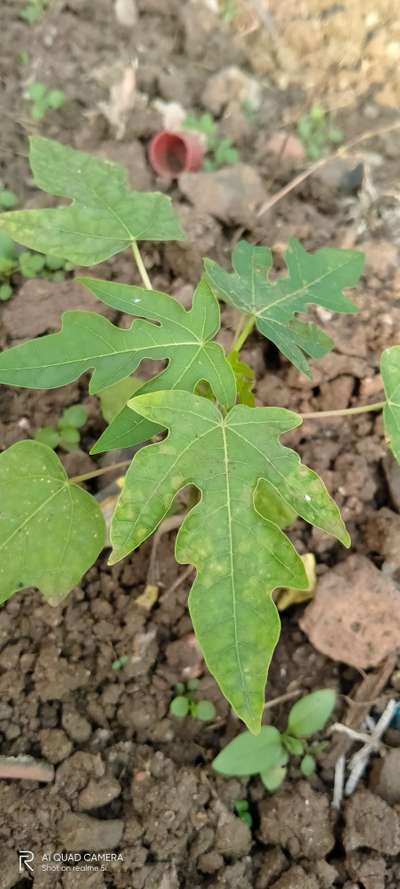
129,779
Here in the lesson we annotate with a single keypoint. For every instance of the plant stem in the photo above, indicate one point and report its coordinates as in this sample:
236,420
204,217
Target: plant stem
348,411
141,266
96,472
242,334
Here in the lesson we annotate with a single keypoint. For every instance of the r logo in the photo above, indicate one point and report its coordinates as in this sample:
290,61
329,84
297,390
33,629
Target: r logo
25,859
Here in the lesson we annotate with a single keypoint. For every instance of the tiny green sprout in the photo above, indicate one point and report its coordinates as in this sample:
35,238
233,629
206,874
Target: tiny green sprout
6,292
184,704
33,11
228,10
120,662
44,100
220,152
8,199
241,807
317,133
66,434
267,754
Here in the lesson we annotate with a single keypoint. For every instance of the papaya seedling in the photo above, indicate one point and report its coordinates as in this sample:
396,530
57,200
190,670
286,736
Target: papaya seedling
250,486
184,704
267,754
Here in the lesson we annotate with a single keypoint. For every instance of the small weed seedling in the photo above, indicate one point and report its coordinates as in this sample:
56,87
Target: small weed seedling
211,439
66,434
120,662
184,704
267,754
220,152
25,262
33,11
44,100
317,133
242,810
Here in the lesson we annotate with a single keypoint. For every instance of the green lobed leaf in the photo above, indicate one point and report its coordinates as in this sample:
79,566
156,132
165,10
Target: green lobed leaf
310,714
312,278
114,398
390,370
89,341
51,530
240,556
104,217
250,754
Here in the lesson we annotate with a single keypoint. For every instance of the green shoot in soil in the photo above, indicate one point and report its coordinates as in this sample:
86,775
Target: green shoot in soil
267,754
185,704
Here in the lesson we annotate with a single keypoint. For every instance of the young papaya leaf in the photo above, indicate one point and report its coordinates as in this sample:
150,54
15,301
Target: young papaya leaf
240,557
390,370
311,713
51,530
249,754
104,217
193,356
88,341
312,278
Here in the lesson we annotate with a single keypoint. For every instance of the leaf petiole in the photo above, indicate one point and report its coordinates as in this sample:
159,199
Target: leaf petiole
96,472
242,334
141,266
348,411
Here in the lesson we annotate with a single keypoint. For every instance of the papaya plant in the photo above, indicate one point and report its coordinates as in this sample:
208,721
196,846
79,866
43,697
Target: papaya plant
198,415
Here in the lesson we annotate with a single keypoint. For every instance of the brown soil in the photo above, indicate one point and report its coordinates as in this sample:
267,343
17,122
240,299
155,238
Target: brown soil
128,777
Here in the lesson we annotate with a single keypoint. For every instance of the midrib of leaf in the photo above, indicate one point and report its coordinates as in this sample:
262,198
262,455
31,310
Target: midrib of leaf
33,515
232,572
306,285
114,351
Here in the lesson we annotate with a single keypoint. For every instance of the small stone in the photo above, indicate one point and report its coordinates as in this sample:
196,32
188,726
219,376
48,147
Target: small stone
287,146
210,862
355,614
55,745
98,793
299,820
296,878
231,194
385,777
370,822
233,836
368,868
78,832
273,863
383,534
126,12
341,174
76,726
228,85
